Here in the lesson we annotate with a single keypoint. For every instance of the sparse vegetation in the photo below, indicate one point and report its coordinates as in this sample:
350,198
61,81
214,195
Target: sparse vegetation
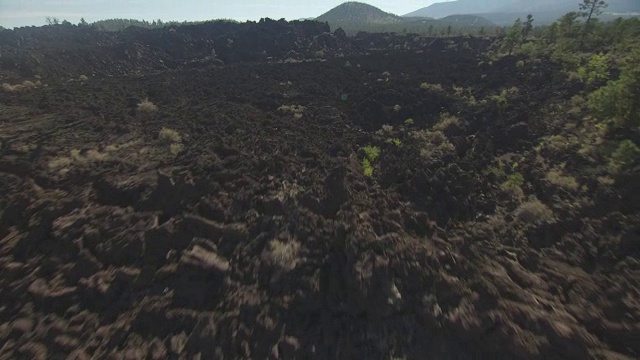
433,144
26,85
513,180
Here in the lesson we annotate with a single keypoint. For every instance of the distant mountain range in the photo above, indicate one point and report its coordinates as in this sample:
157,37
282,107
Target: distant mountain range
356,16
504,12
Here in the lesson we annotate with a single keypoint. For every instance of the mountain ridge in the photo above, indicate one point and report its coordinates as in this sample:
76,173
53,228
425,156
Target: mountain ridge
503,12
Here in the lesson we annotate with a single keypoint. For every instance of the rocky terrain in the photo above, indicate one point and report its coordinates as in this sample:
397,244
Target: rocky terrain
275,191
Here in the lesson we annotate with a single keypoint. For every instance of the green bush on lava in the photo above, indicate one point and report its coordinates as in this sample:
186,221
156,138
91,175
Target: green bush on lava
395,141
514,180
371,153
596,70
619,100
626,155
367,168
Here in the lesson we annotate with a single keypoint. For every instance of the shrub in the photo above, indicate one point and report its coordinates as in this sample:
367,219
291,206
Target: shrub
436,88
397,108
558,178
176,148
446,121
284,255
371,152
83,78
294,109
26,85
169,136
619,100
503,98
387,128
433,144
596,70
395,141
409,122
367,169
515,180
147,106
626,155
533,211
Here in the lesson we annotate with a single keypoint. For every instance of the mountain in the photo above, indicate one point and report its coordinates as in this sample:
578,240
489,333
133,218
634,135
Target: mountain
504,12
353,17
357,12
459,7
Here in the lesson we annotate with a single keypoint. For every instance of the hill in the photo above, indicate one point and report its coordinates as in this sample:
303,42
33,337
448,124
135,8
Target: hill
354,17
357,12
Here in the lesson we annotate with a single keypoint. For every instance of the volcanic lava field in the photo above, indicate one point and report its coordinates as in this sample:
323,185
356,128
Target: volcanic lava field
277,191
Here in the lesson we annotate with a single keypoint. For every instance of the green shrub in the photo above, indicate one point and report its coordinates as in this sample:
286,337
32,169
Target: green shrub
367,168
371,152
395,141
514,180
619,100
596,70
626,155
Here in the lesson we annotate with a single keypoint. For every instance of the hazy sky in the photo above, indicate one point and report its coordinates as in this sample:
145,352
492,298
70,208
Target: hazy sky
33,12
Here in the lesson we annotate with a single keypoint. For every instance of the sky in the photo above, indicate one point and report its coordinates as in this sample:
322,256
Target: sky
14,13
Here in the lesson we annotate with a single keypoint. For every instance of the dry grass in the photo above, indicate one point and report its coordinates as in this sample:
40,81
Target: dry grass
169,136
294,109
176,148
558,178
533,211
147,106
446,121
62,164
284,255
26,85
433,143
437,88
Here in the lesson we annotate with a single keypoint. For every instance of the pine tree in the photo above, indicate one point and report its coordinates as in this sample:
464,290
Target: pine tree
528,26
591,8
588,10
